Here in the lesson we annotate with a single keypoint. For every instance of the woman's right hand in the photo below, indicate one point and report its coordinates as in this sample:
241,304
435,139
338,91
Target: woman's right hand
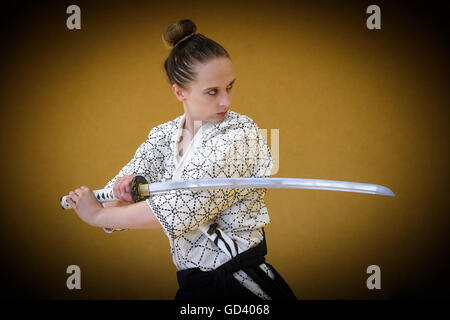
122,188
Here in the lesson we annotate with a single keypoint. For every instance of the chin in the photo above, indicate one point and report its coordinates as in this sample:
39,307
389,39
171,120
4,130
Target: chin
218,118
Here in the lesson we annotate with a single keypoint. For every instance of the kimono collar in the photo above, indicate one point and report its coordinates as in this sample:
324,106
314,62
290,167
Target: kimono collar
206,128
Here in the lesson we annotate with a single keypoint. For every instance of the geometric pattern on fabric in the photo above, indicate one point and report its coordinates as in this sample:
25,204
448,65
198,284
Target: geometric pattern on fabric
231,148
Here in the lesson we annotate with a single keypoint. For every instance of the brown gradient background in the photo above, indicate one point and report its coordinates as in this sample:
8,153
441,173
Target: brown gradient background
350,104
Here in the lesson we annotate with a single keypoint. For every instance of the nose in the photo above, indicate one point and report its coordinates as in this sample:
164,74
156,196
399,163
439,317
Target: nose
225,101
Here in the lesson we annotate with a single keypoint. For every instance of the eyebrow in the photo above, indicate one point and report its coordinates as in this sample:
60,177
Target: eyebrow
207,89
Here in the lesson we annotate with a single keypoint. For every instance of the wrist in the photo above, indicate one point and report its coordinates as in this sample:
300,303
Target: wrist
96,217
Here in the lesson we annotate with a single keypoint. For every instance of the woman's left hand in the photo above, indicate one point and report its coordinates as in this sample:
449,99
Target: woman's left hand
85,204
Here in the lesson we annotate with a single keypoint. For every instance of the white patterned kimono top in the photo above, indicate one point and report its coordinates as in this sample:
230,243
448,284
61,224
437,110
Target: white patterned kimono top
231,148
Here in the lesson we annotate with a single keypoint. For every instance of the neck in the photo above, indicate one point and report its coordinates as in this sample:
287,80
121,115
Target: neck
191,126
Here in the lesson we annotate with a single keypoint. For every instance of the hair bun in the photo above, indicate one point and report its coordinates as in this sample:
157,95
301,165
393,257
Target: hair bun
177,31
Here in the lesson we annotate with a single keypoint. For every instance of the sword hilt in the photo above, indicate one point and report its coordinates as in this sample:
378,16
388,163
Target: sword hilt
138,189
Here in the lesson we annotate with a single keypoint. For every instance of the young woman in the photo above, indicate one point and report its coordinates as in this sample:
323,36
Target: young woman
207,141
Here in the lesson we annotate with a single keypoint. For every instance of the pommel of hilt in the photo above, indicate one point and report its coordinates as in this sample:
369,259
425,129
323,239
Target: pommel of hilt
138,193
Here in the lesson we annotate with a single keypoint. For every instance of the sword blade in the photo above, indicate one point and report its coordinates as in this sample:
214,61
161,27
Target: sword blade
269,183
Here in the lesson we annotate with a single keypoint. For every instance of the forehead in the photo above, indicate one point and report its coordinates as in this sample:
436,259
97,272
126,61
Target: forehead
216,72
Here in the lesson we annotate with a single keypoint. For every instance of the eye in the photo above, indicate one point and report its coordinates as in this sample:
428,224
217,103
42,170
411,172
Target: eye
215,91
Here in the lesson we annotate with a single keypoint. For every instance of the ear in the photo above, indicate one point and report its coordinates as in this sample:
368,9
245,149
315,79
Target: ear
179,92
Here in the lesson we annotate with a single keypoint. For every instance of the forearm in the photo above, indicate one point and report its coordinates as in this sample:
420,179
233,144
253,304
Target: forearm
116,203
133,216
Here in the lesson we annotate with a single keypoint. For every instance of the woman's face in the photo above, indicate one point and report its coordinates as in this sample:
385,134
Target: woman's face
210,93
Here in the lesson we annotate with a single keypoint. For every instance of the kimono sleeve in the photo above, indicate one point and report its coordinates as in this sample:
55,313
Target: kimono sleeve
182,211
144,163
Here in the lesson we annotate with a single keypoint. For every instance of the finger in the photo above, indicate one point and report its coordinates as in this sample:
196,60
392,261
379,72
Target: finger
127,195
78,192
71,202
116,190
123,182
116,183
73,196
73,199
120,192
117,195
127,178
129,198
124,192
125,188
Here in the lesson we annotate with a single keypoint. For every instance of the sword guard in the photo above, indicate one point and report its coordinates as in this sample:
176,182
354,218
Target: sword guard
135,192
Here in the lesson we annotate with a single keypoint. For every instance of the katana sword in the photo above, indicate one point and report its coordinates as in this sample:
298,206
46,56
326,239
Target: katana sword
141,189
